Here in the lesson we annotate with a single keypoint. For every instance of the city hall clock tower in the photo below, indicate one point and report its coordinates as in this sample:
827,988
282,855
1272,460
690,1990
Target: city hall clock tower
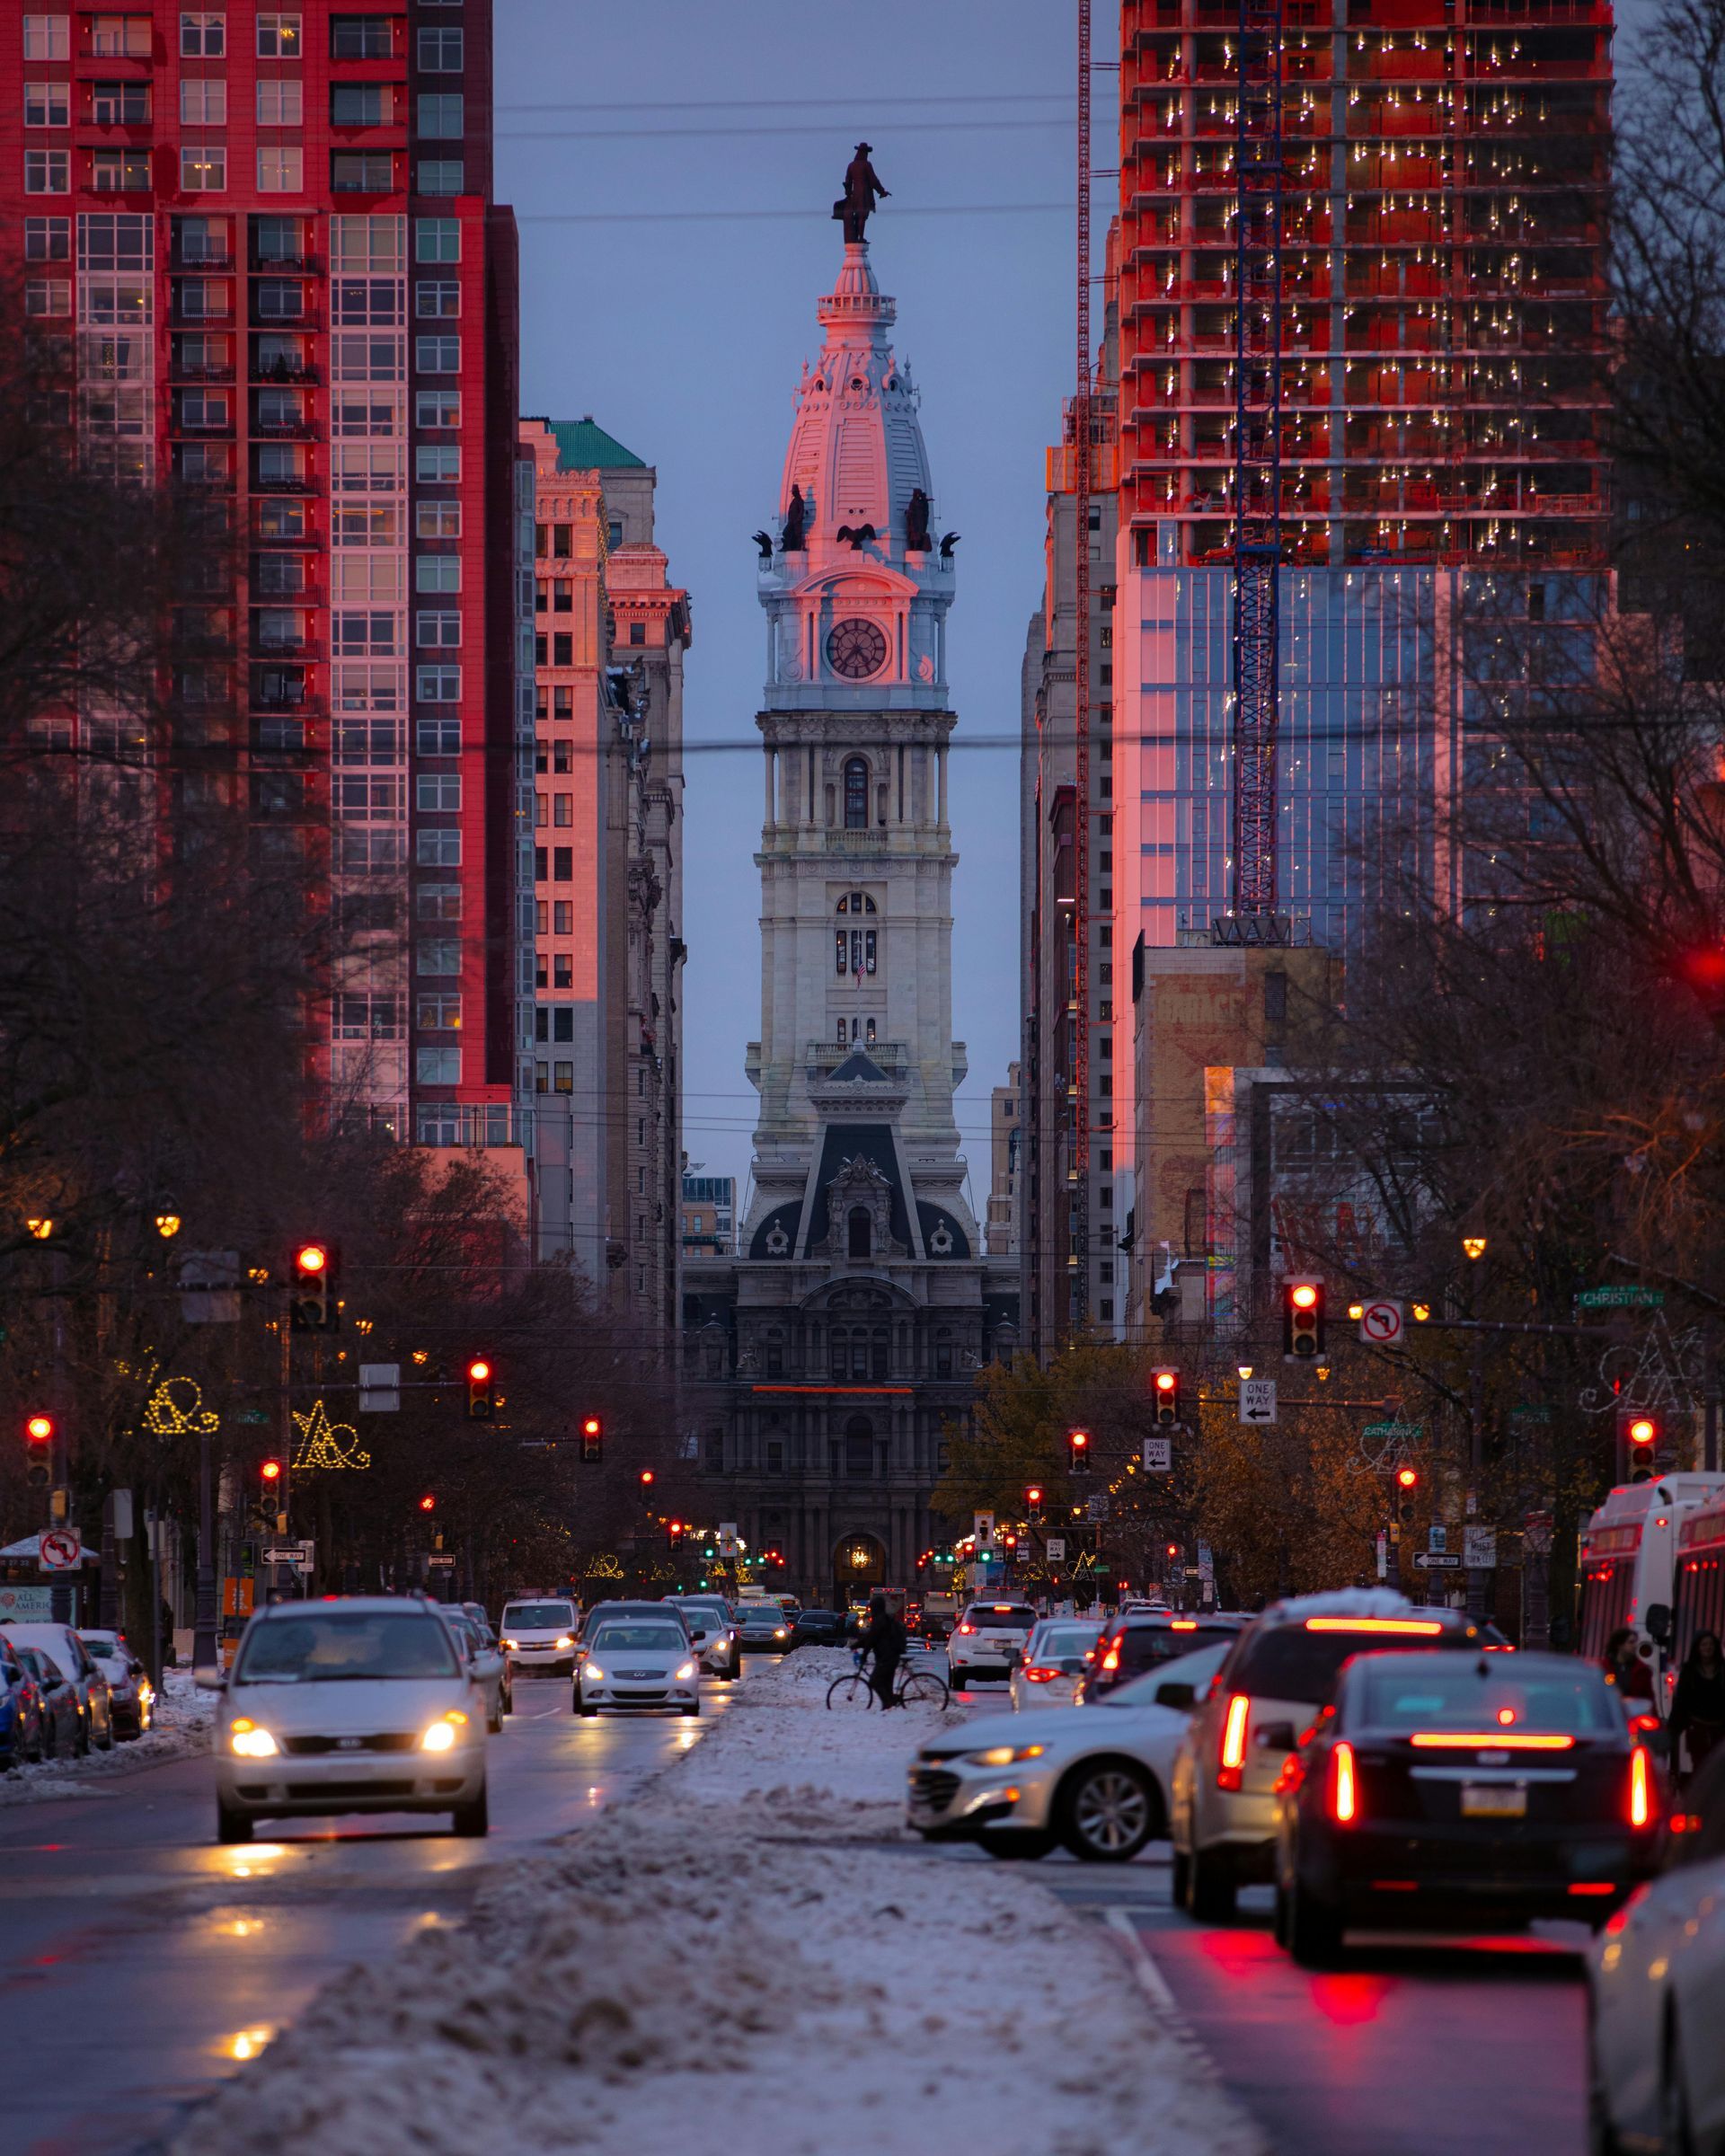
825,1364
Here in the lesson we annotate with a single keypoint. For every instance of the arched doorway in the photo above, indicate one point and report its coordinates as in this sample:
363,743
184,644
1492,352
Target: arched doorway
859,1567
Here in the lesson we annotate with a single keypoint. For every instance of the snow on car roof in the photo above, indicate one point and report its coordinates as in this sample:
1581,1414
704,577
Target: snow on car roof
1341,1602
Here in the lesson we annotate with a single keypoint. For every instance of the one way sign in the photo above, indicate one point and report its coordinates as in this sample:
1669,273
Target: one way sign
1257,1400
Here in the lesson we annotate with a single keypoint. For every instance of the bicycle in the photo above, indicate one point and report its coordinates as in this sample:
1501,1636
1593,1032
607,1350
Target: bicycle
910,1688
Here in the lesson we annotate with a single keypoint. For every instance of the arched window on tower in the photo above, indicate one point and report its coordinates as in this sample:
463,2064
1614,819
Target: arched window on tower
856,795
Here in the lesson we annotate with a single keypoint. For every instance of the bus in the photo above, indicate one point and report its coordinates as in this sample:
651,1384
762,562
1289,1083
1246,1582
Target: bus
1700,1603
1628,1553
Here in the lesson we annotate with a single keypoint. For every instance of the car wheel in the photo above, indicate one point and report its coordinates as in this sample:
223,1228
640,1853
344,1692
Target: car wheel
1313,1928
583,1708
81,1748
694,1707
1210,1887
1029,1844
1179,1878
471,1821
232,1826
957,1678
1108,1811
509,1700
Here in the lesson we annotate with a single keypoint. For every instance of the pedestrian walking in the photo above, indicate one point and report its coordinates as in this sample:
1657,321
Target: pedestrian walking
1624,1667
1698,1704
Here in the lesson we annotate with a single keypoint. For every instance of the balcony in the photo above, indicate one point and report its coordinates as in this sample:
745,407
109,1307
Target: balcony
822,1058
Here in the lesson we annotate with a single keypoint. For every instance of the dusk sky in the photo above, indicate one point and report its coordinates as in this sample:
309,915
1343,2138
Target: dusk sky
673,167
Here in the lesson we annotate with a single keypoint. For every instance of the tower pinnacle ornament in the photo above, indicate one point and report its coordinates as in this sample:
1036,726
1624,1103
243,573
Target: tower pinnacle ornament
855,206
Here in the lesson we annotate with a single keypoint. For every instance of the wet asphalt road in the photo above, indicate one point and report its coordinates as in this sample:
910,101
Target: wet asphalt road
139,1961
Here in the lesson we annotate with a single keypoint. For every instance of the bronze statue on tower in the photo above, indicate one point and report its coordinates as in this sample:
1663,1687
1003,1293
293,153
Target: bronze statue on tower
856,205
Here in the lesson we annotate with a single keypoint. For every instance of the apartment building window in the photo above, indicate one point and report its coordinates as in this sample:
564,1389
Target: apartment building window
437,240
439,1014
562,648
47,239
438,1066
541,651
637,632
360,38
361,171
562,913
278,298
361,105
436,355
204,407
47,171
281,101
438,685
563,756
564,811
562,709
203,170
281,171
440,52
47,296
433,463
563,545
437,572
201,298
562,967
203,102
563,600
440,116
441,176
438,955
565,1076
278,38
440,902
438,794
562,864
438,737
438,519
203,34
47,37
438,629
49,104
541,811
437,407
119,37
438,298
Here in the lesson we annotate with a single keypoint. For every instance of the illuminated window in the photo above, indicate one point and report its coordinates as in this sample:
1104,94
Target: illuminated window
278,38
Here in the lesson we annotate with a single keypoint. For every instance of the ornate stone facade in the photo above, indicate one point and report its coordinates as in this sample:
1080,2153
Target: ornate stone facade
824,1363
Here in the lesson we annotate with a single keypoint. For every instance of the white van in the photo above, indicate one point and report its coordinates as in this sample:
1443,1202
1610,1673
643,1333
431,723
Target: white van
538,1636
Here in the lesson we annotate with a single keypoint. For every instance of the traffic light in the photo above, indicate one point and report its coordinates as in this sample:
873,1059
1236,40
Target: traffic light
1166,1397
1407,1477
427,1503
648,1478
592,1438
1033,1502
1078,1450
673,1534
1638,1440
481,1401
38,1450
312,1302
1303,1319
775,1559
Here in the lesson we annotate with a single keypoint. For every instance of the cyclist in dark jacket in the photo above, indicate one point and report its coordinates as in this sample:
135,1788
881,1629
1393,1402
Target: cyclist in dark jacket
885,1639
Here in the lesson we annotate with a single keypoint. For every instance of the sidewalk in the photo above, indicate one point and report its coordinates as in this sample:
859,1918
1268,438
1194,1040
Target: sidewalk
754,1955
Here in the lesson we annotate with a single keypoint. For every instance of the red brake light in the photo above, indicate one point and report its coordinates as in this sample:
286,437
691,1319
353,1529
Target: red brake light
1033,1674
1183,1624
1344,1789
1424,1627
1111,1659
1593,1886
1641,1788
1501,1740
966,1628
1231,1766
1643,1724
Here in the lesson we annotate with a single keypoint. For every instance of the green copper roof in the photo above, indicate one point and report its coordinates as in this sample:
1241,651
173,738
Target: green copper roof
583,447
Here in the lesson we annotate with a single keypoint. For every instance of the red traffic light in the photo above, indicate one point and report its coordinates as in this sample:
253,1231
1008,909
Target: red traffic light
1408,1477
427,1503
1078,1440
1173,1548
676,1527
1033,1495
1643,1430
648,1478
39,1428
1305,1296
590,1427
479,1370
270,1471
1165,1380
311,1259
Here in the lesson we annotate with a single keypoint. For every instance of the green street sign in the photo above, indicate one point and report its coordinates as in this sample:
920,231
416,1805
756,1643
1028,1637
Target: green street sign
253,1415
1402,1433
1634,1297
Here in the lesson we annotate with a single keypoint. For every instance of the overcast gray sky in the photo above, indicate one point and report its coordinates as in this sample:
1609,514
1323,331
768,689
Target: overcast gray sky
673,163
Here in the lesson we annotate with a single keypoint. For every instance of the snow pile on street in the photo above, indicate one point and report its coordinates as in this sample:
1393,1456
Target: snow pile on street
183,1720
716,1960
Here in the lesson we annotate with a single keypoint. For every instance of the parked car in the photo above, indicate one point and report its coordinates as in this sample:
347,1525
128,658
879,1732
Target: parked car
1094,1779
63,1732
1280,1670
1056,1656
1137,1640
75,1664
1446,1790
486,1662
634,1662
21,1733
987,1640
821,1628
538,1636
130,1692
713,1631
356,1703
762,1627
1656,1983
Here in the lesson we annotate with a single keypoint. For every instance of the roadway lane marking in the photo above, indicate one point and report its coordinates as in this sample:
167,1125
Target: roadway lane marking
1154,1986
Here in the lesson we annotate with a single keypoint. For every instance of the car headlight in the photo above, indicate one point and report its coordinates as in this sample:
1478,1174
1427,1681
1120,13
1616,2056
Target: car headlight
514,1645
445,1735
1005,1756
685,1676
564,1641
778,1631
592,1669
249,1742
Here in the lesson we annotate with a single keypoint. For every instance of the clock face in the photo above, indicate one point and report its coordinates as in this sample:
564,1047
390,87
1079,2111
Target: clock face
855,650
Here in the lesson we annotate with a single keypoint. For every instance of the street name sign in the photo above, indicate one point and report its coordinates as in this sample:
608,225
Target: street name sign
1394,1433
380,1388
1257,1400
1632,1296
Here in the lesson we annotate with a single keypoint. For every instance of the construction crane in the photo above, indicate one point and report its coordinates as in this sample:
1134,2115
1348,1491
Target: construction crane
1259,174
1078,1166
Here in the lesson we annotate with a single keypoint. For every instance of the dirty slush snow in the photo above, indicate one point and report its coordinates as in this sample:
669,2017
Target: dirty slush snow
757,1941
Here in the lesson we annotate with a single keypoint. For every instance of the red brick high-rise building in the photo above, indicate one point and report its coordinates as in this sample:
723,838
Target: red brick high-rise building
262,243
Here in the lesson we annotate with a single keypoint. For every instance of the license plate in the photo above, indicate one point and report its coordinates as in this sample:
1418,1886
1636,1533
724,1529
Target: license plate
1493,1800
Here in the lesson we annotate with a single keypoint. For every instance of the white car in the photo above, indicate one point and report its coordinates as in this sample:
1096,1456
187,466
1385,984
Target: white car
1657,1977
539,1636
708,1618
987,1640
1053,1663
635,1663
1096,1778
357,1703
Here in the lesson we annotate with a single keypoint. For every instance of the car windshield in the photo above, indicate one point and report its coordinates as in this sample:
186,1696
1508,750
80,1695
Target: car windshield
652,1638
1288,1662
1452,1694
538,1617
342,1647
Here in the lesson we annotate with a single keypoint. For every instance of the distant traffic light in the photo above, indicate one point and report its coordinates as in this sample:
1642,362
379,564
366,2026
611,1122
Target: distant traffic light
427,1503
1637,1441
1303,1319
592,1438
1166,1397
269,1475
1407,1477
1033,1502
648,1478
1078,1450
312,1302
673,1534
482,1400
38,1447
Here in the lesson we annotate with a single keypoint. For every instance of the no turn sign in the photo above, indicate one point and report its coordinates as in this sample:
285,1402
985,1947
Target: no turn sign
59,1549
1381,1323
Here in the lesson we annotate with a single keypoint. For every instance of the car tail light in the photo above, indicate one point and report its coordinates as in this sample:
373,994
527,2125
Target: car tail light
1490,1740
1643,1724
1641,1787
1423,1626
1033,1673
1111,1659
966,1628
1183,1624
1593,1886
1344,1789
1231,1766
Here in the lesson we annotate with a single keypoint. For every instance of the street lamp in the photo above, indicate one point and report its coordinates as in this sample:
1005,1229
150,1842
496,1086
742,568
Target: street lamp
1245,1369
41,1229
1473,1247
167,1225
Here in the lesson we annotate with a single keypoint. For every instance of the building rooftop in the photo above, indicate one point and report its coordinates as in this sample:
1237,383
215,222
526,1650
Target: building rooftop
584,445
